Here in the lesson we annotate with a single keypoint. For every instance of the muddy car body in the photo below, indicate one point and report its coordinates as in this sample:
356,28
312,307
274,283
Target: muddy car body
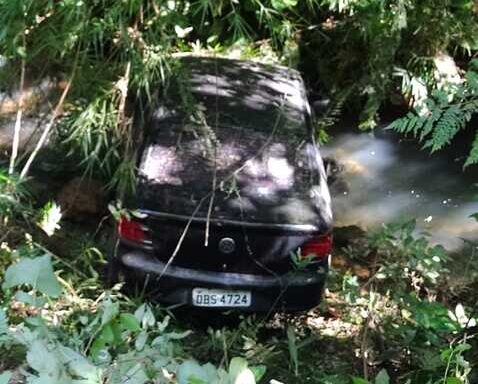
232,194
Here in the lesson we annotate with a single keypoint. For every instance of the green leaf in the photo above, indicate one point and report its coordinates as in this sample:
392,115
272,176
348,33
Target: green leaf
178,335
130,322
3,322
163,324
281,5
37,273
453,380
293,350
239,372
259,371
22,52
145,315
42,360
382,377
473,155
107,335
462,347
105,338
141,340
359,380
28,299
79,366
130,374
191,371
110,311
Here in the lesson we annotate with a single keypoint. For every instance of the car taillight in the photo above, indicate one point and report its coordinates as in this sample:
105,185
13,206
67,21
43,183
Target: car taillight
320,247
131,230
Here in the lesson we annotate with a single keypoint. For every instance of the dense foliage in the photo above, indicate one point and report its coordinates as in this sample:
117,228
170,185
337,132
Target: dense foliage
380,50
444,114
404,321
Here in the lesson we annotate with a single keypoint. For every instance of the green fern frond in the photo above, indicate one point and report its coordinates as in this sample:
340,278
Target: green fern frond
451,121
430,123
331,115
411,123
442,118
473,156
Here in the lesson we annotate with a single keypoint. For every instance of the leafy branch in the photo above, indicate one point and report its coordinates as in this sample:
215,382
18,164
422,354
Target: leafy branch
444,114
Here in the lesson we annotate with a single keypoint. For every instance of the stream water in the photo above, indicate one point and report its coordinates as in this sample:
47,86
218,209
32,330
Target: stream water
387,178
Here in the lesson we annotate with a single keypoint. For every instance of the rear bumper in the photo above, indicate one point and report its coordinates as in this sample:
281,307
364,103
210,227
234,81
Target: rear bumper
296,291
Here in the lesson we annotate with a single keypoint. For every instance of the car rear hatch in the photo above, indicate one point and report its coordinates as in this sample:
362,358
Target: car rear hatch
245,186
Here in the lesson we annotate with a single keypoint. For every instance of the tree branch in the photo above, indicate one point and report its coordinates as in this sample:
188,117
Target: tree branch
51,123
18,120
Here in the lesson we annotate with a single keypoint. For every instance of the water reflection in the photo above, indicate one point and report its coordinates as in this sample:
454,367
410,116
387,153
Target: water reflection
387,179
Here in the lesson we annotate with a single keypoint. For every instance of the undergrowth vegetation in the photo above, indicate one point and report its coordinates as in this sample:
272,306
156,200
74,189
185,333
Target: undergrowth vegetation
405,322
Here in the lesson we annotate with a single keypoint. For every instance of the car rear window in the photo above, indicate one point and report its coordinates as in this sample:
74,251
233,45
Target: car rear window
254,176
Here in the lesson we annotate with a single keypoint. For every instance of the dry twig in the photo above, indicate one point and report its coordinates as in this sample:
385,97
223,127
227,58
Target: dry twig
18,120
51,123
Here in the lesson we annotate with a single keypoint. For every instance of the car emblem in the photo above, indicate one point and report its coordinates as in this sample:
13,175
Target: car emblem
227,245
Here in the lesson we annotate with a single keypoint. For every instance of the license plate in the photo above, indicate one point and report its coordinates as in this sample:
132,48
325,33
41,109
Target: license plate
203,297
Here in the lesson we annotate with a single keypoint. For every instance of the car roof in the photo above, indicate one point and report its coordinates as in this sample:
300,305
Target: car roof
239,93
265,164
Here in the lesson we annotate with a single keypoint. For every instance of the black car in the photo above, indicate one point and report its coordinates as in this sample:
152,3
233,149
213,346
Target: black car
234,206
